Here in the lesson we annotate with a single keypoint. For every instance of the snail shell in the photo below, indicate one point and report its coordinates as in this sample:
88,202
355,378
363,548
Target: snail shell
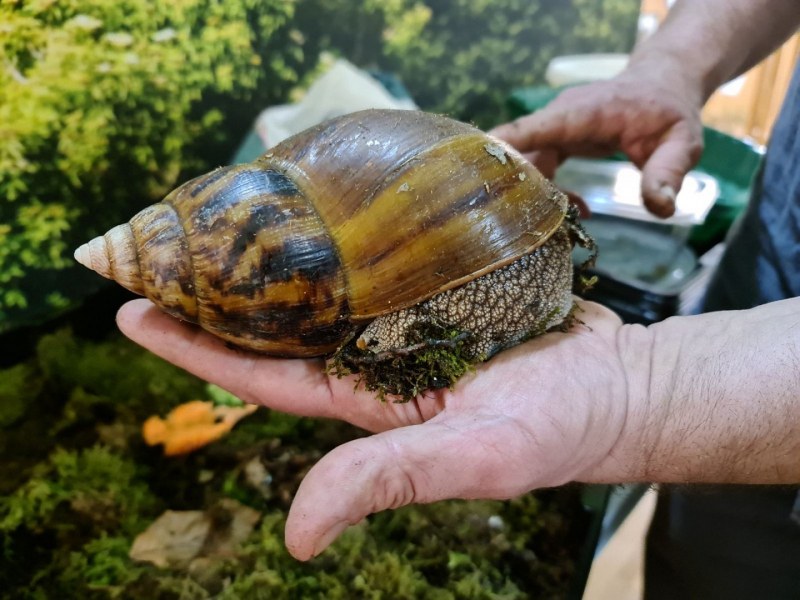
355,218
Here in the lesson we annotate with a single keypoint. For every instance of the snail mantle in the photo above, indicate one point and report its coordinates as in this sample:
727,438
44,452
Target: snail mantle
407,246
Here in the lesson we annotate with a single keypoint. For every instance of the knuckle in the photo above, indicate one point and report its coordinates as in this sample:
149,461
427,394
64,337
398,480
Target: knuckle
399,484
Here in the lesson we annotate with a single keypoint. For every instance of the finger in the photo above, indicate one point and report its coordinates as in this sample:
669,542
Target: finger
546,161
296,386
290,385
437,460
541,129
582,120
663,173
548,137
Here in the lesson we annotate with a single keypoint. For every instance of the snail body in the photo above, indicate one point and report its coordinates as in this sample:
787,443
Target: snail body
379,219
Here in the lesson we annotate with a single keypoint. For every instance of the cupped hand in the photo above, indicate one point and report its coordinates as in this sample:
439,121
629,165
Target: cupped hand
652,118
541,414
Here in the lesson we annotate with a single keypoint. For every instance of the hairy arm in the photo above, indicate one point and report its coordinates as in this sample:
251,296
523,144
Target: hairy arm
712,398
713,41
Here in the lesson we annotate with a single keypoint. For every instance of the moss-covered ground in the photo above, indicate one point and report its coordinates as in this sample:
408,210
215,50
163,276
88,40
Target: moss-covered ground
78,484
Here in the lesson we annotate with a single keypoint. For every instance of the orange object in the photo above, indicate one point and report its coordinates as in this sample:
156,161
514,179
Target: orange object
190,426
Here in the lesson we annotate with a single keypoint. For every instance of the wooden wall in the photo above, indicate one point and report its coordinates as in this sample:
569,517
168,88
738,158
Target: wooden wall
746,107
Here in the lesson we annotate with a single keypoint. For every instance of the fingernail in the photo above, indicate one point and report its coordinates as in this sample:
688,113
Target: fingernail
668,192
665,201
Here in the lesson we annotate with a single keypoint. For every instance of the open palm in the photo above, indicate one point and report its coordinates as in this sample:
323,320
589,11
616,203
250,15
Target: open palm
541,414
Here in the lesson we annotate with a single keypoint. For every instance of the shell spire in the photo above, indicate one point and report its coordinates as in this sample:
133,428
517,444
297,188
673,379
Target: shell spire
113,256
149,256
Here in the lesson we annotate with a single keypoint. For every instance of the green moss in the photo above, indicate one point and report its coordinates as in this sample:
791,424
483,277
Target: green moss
105,489
116,371
390,576
439,358
20,385
404,554
67,526
101,563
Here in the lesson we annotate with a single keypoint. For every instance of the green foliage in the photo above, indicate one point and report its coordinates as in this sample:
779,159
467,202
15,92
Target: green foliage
19,386
119,372
104,104
357,30
445,551
462,57
99,485
101,563
470,54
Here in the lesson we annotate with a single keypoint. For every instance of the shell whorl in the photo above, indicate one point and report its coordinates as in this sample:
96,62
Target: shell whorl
114,256
148,256
239,251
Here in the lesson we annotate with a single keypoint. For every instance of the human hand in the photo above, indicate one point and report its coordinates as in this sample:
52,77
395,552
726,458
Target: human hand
648,114
538,415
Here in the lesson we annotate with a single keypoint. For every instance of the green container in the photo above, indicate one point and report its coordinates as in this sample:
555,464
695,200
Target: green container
732,162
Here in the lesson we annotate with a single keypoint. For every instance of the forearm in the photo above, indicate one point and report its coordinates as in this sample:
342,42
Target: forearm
709,42
713,398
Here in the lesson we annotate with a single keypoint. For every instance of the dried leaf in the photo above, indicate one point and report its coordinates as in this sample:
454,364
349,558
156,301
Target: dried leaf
177,538
173,540
237,523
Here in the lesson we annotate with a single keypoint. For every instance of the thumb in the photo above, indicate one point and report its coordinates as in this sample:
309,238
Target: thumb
663,173
416,464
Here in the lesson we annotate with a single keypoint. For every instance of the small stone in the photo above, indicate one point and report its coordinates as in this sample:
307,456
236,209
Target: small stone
495,522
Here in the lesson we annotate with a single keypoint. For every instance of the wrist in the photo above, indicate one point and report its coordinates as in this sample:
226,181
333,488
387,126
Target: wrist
677,75
630,455
710,399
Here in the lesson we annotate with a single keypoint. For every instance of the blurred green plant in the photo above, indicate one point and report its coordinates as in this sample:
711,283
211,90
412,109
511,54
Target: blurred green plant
463,57
471,53
19,387
97,484
104,104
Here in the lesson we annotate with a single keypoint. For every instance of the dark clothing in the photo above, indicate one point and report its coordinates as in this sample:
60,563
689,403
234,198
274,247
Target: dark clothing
726,542
743,542
762,261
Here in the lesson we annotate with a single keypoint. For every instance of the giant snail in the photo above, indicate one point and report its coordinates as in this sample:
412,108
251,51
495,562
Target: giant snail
407,244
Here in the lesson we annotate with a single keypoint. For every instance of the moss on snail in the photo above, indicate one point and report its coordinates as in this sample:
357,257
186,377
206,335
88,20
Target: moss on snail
441,359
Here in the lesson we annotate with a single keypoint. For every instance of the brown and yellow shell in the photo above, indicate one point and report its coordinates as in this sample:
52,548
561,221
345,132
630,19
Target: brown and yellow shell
357,217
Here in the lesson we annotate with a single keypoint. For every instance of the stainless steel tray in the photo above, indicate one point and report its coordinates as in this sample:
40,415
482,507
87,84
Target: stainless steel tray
612,187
